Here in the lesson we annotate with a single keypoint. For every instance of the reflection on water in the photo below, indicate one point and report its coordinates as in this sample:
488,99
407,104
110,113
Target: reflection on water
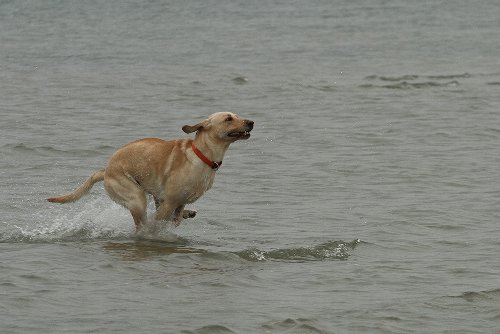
137,250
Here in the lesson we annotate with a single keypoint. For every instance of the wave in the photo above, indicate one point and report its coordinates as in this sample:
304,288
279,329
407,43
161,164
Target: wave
240,80
449,76
399,78
478,296
51,150
414,85
409,77
414,81
210,329
331,250
301,325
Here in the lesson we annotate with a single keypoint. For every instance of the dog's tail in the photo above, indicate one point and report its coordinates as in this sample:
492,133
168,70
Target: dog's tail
81,190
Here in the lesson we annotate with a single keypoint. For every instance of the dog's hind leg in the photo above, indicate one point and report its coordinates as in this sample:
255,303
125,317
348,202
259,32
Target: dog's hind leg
128,193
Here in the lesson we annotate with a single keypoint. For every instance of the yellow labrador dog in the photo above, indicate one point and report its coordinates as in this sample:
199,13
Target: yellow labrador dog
175,172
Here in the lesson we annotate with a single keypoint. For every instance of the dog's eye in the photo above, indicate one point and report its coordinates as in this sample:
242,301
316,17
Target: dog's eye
229,118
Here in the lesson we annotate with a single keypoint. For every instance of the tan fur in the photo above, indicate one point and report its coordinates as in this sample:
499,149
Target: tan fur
168,170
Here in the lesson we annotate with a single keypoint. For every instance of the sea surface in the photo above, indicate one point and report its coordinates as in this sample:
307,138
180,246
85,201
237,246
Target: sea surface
366,201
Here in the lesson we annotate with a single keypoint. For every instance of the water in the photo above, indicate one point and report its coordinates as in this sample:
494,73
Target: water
366,201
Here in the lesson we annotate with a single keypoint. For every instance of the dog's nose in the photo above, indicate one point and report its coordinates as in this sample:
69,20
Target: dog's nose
249,124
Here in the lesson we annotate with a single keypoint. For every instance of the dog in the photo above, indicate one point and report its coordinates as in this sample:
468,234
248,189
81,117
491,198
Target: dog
174,172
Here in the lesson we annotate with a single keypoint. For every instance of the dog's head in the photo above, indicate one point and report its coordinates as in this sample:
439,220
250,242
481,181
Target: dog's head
225,126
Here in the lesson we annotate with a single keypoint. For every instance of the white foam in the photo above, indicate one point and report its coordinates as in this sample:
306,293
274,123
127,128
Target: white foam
155,230
95,218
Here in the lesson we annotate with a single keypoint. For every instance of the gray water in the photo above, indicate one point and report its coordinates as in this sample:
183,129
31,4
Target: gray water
366,200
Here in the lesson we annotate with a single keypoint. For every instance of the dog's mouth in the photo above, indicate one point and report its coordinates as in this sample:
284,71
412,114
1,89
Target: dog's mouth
239,134
242,132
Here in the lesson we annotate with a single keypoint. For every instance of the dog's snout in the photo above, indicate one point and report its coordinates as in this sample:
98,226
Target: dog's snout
249,124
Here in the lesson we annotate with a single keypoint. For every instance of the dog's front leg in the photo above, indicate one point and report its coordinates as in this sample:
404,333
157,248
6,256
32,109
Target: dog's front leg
164,211
188,214
178,215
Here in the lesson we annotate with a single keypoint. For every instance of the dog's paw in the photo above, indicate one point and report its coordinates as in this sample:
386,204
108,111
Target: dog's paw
188,214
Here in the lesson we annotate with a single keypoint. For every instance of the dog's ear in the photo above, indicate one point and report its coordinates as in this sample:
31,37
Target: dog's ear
192,128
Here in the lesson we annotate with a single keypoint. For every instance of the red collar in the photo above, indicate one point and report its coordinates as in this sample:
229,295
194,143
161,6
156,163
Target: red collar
212,164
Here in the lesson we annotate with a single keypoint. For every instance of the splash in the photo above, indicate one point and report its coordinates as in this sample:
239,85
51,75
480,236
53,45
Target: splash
95,219
157,231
